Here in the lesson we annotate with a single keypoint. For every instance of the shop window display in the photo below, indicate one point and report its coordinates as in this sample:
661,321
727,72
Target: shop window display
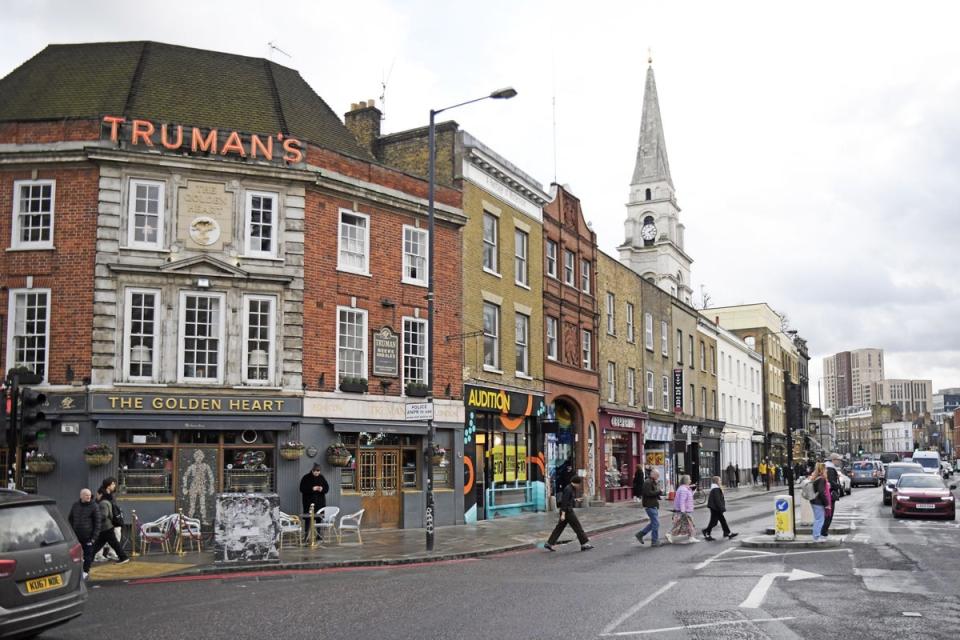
617,447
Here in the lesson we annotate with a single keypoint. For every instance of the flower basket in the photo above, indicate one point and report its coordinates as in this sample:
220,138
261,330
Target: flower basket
290,453
436,455
353,385
338,455
416,390
41,466
98,459
435,460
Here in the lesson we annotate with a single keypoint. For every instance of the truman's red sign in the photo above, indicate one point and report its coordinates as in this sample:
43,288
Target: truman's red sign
173,136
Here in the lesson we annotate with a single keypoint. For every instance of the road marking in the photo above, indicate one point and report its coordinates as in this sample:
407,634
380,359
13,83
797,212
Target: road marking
635,608
709,560
759,592
767,554
698,626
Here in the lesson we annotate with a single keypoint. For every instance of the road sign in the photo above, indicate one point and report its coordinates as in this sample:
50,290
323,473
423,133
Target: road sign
759,592
420,411
782,518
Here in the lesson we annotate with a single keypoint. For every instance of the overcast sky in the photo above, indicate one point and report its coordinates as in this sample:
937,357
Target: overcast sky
815,149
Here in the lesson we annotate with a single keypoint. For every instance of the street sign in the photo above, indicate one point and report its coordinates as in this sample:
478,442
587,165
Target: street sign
420,411
783,520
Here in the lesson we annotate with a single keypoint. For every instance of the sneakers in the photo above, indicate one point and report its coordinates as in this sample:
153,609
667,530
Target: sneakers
86,575
124,561
586,547
639,536
548,546
730,536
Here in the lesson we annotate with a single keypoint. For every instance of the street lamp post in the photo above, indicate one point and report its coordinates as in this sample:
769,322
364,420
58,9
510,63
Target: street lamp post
499,94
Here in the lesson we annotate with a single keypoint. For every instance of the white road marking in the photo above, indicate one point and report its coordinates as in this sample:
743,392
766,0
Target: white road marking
759,592
698,626
635,608
767,554
709,560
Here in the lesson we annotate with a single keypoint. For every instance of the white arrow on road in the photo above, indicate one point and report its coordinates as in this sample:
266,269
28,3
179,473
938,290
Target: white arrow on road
760,591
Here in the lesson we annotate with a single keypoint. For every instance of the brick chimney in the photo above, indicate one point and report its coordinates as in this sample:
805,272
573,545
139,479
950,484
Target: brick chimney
363,121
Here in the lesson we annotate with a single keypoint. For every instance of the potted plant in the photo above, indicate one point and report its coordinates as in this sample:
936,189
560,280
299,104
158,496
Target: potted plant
292,450
39,462
97,454
353,385
436,454
416,390
338,455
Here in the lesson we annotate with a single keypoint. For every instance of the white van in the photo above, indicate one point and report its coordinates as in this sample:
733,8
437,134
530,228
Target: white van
929,460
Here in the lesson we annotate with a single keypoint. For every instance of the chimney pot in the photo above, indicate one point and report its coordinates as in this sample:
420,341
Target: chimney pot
354,106
370,102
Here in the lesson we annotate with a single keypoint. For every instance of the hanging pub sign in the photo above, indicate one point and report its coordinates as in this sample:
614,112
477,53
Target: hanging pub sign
386,353
678,390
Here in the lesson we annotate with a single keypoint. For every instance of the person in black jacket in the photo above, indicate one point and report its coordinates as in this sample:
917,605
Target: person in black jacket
717,505
313,490
565,505
836,490
638,484
85,520
650,499
111,516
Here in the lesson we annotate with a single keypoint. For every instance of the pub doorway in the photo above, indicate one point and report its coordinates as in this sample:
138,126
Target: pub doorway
379,481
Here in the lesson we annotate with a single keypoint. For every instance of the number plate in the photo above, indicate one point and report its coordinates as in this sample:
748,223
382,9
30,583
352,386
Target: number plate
926,506
44,584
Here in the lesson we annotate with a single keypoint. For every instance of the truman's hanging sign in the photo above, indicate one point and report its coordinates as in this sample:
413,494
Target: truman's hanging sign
175,137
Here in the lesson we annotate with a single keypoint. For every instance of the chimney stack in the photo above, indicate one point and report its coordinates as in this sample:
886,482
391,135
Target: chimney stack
363,121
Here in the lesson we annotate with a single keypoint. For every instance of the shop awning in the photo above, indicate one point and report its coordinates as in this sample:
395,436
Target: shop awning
411,428
206,423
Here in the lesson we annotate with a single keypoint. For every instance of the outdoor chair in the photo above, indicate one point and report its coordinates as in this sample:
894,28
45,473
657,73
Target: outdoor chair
352,523
190,529
327,520
157,532
290,525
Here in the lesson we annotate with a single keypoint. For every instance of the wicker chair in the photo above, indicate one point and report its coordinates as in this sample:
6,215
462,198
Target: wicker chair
159,532
290,525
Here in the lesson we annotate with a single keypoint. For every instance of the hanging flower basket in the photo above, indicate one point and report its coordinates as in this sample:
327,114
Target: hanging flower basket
41,465
338,455
292,450
97,455
437,455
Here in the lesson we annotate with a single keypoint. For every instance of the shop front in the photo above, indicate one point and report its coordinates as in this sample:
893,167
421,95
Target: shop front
503,461
622,453
756,451
687,451
709,454
658,452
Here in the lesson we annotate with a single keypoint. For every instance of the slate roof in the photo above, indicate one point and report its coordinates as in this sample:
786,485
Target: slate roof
169,83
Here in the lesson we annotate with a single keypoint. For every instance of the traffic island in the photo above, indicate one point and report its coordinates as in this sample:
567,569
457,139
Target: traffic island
801,542
807,530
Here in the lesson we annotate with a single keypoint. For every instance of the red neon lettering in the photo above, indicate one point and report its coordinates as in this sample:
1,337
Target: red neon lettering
256,145
114,129
167,143
293,152
199,143
233,145
142,129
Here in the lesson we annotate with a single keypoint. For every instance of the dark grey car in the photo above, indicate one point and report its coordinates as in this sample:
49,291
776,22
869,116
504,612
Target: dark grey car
893,473
41,566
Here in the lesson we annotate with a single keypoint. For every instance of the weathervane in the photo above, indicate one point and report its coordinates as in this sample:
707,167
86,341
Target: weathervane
649,55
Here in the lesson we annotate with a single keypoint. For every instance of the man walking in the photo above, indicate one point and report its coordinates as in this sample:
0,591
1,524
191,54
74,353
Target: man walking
567,516
836,491
85,520
650,498
717,505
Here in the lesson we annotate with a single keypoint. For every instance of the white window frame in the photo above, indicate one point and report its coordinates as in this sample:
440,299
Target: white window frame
362,313
405,380
521,258
221,339
407,256
585,275
680,347
553,338
648,331
630,328
365,270
611,382
611,314
666,392
132,213
586,349
664,339
495,367
650,396
521,344
703,356
12,328
15,241
491,246
271,340
569,268
127,338
631,386
552,258
274,226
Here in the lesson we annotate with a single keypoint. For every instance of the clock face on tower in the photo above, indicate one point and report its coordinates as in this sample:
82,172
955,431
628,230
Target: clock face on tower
648,232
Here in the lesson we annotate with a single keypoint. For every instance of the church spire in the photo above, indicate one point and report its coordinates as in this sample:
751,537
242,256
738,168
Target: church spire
652,164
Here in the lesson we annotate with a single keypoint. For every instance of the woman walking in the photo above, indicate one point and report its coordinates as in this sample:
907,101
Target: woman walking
821,501
683,528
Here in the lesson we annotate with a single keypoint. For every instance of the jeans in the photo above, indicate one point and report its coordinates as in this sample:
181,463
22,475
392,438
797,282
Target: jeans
819,513
654,526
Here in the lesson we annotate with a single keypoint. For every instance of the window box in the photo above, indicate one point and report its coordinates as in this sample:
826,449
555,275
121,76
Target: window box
416,390
353,385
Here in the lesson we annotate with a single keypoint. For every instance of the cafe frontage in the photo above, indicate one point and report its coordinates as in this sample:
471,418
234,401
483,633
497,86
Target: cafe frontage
622,452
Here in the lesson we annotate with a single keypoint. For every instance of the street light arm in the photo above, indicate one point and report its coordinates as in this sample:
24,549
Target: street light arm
499,94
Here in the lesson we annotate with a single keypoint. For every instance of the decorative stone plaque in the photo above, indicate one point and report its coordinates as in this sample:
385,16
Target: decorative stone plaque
205,215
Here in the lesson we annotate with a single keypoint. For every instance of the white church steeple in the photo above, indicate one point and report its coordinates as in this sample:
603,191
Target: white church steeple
654,235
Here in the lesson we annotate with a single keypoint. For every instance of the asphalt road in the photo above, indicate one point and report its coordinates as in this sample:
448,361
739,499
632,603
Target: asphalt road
887,568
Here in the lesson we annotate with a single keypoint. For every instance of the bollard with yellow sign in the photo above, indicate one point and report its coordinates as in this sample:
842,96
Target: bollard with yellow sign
783,518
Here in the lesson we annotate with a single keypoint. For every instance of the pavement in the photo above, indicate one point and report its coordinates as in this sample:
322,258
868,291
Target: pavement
399,546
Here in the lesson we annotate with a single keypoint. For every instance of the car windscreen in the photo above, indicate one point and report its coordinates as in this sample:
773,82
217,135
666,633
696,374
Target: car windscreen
929,463
863,466
27,527
894,473
910,481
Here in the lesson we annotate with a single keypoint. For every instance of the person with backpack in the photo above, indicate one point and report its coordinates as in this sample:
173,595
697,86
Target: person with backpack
836,490
821,499
717,505
565,504
111,516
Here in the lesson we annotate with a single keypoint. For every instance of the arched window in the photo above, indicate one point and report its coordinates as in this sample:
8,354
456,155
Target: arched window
649,194
648,219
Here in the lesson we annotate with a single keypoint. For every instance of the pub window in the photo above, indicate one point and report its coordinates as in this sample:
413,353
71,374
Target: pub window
33,210
414,351
140,333
362,475
145,215
258,332
201,337
248,466
261,223
414,255
491,336
145,462
491,228
29,336
354,238
351,343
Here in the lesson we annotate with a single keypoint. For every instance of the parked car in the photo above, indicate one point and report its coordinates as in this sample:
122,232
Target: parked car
894,471
845,483
865,472
41,566
923,494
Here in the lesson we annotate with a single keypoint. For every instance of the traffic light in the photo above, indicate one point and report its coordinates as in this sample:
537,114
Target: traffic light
794,406
860,450
6,407
30,414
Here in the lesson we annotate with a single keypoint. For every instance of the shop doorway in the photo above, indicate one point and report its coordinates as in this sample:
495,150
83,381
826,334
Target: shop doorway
379,481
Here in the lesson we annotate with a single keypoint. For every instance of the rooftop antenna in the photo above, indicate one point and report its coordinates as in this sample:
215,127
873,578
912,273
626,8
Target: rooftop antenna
383,91
274,47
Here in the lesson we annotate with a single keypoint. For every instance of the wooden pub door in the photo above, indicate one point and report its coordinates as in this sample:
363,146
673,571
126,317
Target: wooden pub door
380,487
